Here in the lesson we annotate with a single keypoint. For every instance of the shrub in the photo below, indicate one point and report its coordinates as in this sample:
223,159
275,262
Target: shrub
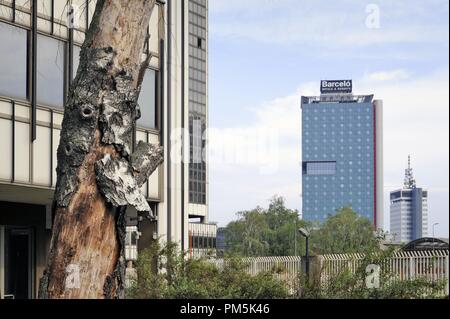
352,285
164,273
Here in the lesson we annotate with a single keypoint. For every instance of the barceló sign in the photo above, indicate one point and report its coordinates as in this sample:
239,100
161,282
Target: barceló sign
339,86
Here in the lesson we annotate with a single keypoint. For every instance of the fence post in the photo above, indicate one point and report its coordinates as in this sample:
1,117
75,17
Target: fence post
412,268
446,275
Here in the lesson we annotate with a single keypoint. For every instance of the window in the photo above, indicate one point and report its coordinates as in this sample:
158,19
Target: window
197,103
13,62
45,7
76,59
319,168
197,166
199,241
147,100
50,70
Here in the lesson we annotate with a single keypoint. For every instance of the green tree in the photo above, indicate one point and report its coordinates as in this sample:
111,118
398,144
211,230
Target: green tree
248,235
283,224
345,232
266,232
272,232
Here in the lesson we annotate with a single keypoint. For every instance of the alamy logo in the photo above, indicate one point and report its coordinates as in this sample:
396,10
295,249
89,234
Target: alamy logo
72,16
73,276
373,20
373,277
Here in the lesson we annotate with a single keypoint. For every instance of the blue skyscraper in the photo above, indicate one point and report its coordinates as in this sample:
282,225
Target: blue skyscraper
342,153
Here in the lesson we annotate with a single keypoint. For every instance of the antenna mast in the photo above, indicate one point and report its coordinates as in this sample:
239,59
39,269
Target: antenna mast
410,182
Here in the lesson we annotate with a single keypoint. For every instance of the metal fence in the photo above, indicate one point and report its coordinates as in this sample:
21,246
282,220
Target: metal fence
433,266
285,269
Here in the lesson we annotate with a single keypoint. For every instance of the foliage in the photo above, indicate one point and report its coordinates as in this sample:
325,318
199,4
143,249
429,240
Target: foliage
265,232
248,235
345,232
164,273
272,232
353,285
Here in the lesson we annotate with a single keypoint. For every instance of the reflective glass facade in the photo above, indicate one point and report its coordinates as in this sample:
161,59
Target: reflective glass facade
51,55
54,61
197,99
13,62
147,100
338,158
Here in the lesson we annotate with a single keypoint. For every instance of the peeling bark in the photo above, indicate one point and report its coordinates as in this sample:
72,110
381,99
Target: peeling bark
98,177
145,160
118,182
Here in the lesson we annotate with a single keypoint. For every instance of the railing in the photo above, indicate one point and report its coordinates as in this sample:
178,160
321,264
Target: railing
430,265
285,269
433,266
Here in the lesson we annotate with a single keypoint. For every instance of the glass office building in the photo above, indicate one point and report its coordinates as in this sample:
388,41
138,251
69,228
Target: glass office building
409,210
342,159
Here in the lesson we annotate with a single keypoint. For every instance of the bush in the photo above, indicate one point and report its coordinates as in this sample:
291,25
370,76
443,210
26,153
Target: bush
348,285
164,273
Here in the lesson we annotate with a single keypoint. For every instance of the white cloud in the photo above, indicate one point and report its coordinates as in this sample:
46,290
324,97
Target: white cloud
394,75
245,185
231,6
276,128
328,24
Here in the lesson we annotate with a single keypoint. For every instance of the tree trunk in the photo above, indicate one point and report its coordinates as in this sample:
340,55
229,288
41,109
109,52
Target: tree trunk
98,177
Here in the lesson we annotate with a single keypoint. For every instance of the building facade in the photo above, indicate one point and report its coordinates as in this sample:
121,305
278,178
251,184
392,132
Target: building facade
39,56
221,241
409,210
342,155
202,240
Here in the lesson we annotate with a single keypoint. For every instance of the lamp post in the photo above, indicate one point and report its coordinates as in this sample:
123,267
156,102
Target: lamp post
305,233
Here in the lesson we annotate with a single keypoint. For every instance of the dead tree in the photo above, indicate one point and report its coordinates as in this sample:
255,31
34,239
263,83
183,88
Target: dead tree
98,175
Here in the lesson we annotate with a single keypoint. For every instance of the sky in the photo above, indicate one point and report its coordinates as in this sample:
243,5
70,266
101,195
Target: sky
265,54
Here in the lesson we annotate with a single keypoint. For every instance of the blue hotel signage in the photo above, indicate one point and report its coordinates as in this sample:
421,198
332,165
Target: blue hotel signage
339,86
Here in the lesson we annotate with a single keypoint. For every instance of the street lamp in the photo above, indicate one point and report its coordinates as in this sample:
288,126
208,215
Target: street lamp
305,233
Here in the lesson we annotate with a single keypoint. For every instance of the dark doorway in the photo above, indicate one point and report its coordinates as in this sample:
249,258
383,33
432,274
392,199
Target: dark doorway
18,259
